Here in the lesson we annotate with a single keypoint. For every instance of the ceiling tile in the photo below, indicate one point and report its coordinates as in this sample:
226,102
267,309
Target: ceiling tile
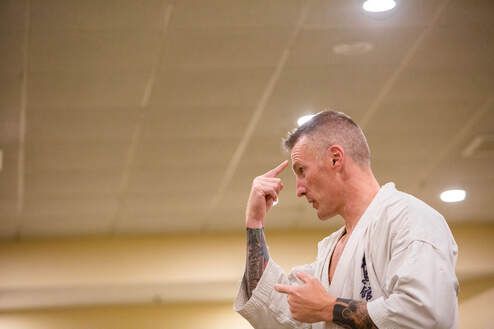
239,88
224,13
97,15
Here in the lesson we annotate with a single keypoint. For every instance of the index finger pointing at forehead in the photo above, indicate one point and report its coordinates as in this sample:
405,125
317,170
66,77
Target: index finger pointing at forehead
277,170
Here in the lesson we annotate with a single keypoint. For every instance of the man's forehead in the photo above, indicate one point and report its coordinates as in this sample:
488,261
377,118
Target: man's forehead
300,146
298,151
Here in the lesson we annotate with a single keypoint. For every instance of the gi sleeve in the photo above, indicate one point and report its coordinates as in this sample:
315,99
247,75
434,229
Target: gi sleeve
422,290
268,308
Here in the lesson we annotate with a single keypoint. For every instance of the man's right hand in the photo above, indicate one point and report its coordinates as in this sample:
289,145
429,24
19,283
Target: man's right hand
263,194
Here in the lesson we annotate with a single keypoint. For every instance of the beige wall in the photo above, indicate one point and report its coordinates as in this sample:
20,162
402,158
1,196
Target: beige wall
184,316
194,275
474,313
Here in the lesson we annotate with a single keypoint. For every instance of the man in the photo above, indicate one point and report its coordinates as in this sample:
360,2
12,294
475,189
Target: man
392,265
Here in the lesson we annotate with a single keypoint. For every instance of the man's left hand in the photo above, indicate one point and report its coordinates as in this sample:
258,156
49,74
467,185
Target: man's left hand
308,302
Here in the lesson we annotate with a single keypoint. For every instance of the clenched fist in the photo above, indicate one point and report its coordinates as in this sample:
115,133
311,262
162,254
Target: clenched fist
263,194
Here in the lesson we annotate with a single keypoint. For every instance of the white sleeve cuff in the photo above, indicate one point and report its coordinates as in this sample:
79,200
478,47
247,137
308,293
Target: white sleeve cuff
379,315
266,308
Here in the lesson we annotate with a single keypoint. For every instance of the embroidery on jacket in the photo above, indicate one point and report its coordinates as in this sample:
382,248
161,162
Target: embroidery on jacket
366,292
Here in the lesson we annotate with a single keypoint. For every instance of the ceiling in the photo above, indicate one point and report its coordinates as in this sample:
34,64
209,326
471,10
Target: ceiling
151,116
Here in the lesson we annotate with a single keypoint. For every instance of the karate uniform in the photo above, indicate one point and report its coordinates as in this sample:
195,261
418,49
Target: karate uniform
400,258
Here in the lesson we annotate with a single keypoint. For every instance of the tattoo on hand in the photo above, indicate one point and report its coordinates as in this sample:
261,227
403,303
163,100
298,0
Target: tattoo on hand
257,258
352,314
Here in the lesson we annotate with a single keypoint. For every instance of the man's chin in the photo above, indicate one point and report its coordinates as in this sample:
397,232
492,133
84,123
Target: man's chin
324,216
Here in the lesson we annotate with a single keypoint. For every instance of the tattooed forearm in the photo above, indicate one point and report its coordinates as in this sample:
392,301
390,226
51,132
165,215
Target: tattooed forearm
352,314
257,258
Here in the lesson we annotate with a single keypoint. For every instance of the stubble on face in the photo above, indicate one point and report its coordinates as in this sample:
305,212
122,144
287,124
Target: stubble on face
306,167
319,180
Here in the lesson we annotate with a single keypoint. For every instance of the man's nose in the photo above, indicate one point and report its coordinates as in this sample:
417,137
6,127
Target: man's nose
300,188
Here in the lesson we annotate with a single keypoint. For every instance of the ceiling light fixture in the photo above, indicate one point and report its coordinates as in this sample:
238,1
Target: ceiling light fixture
304,119
456,195
378,6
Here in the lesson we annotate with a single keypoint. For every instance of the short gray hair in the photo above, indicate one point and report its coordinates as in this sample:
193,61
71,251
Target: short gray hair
328,128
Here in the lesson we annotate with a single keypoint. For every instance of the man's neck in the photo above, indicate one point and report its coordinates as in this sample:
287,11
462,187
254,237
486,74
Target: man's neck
361,188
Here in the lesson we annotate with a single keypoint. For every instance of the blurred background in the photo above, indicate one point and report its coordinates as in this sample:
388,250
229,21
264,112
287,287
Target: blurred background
130,132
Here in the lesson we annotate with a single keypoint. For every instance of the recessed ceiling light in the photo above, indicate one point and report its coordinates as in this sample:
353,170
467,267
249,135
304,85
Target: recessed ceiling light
453,195
377,6
304,119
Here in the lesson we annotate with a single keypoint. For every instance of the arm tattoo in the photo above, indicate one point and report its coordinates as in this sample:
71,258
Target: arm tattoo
352,314
257,258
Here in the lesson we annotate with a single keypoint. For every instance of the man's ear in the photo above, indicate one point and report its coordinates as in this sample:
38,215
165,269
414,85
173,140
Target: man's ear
336,155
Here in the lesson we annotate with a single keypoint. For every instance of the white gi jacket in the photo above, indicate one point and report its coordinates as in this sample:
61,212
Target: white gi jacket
400,258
